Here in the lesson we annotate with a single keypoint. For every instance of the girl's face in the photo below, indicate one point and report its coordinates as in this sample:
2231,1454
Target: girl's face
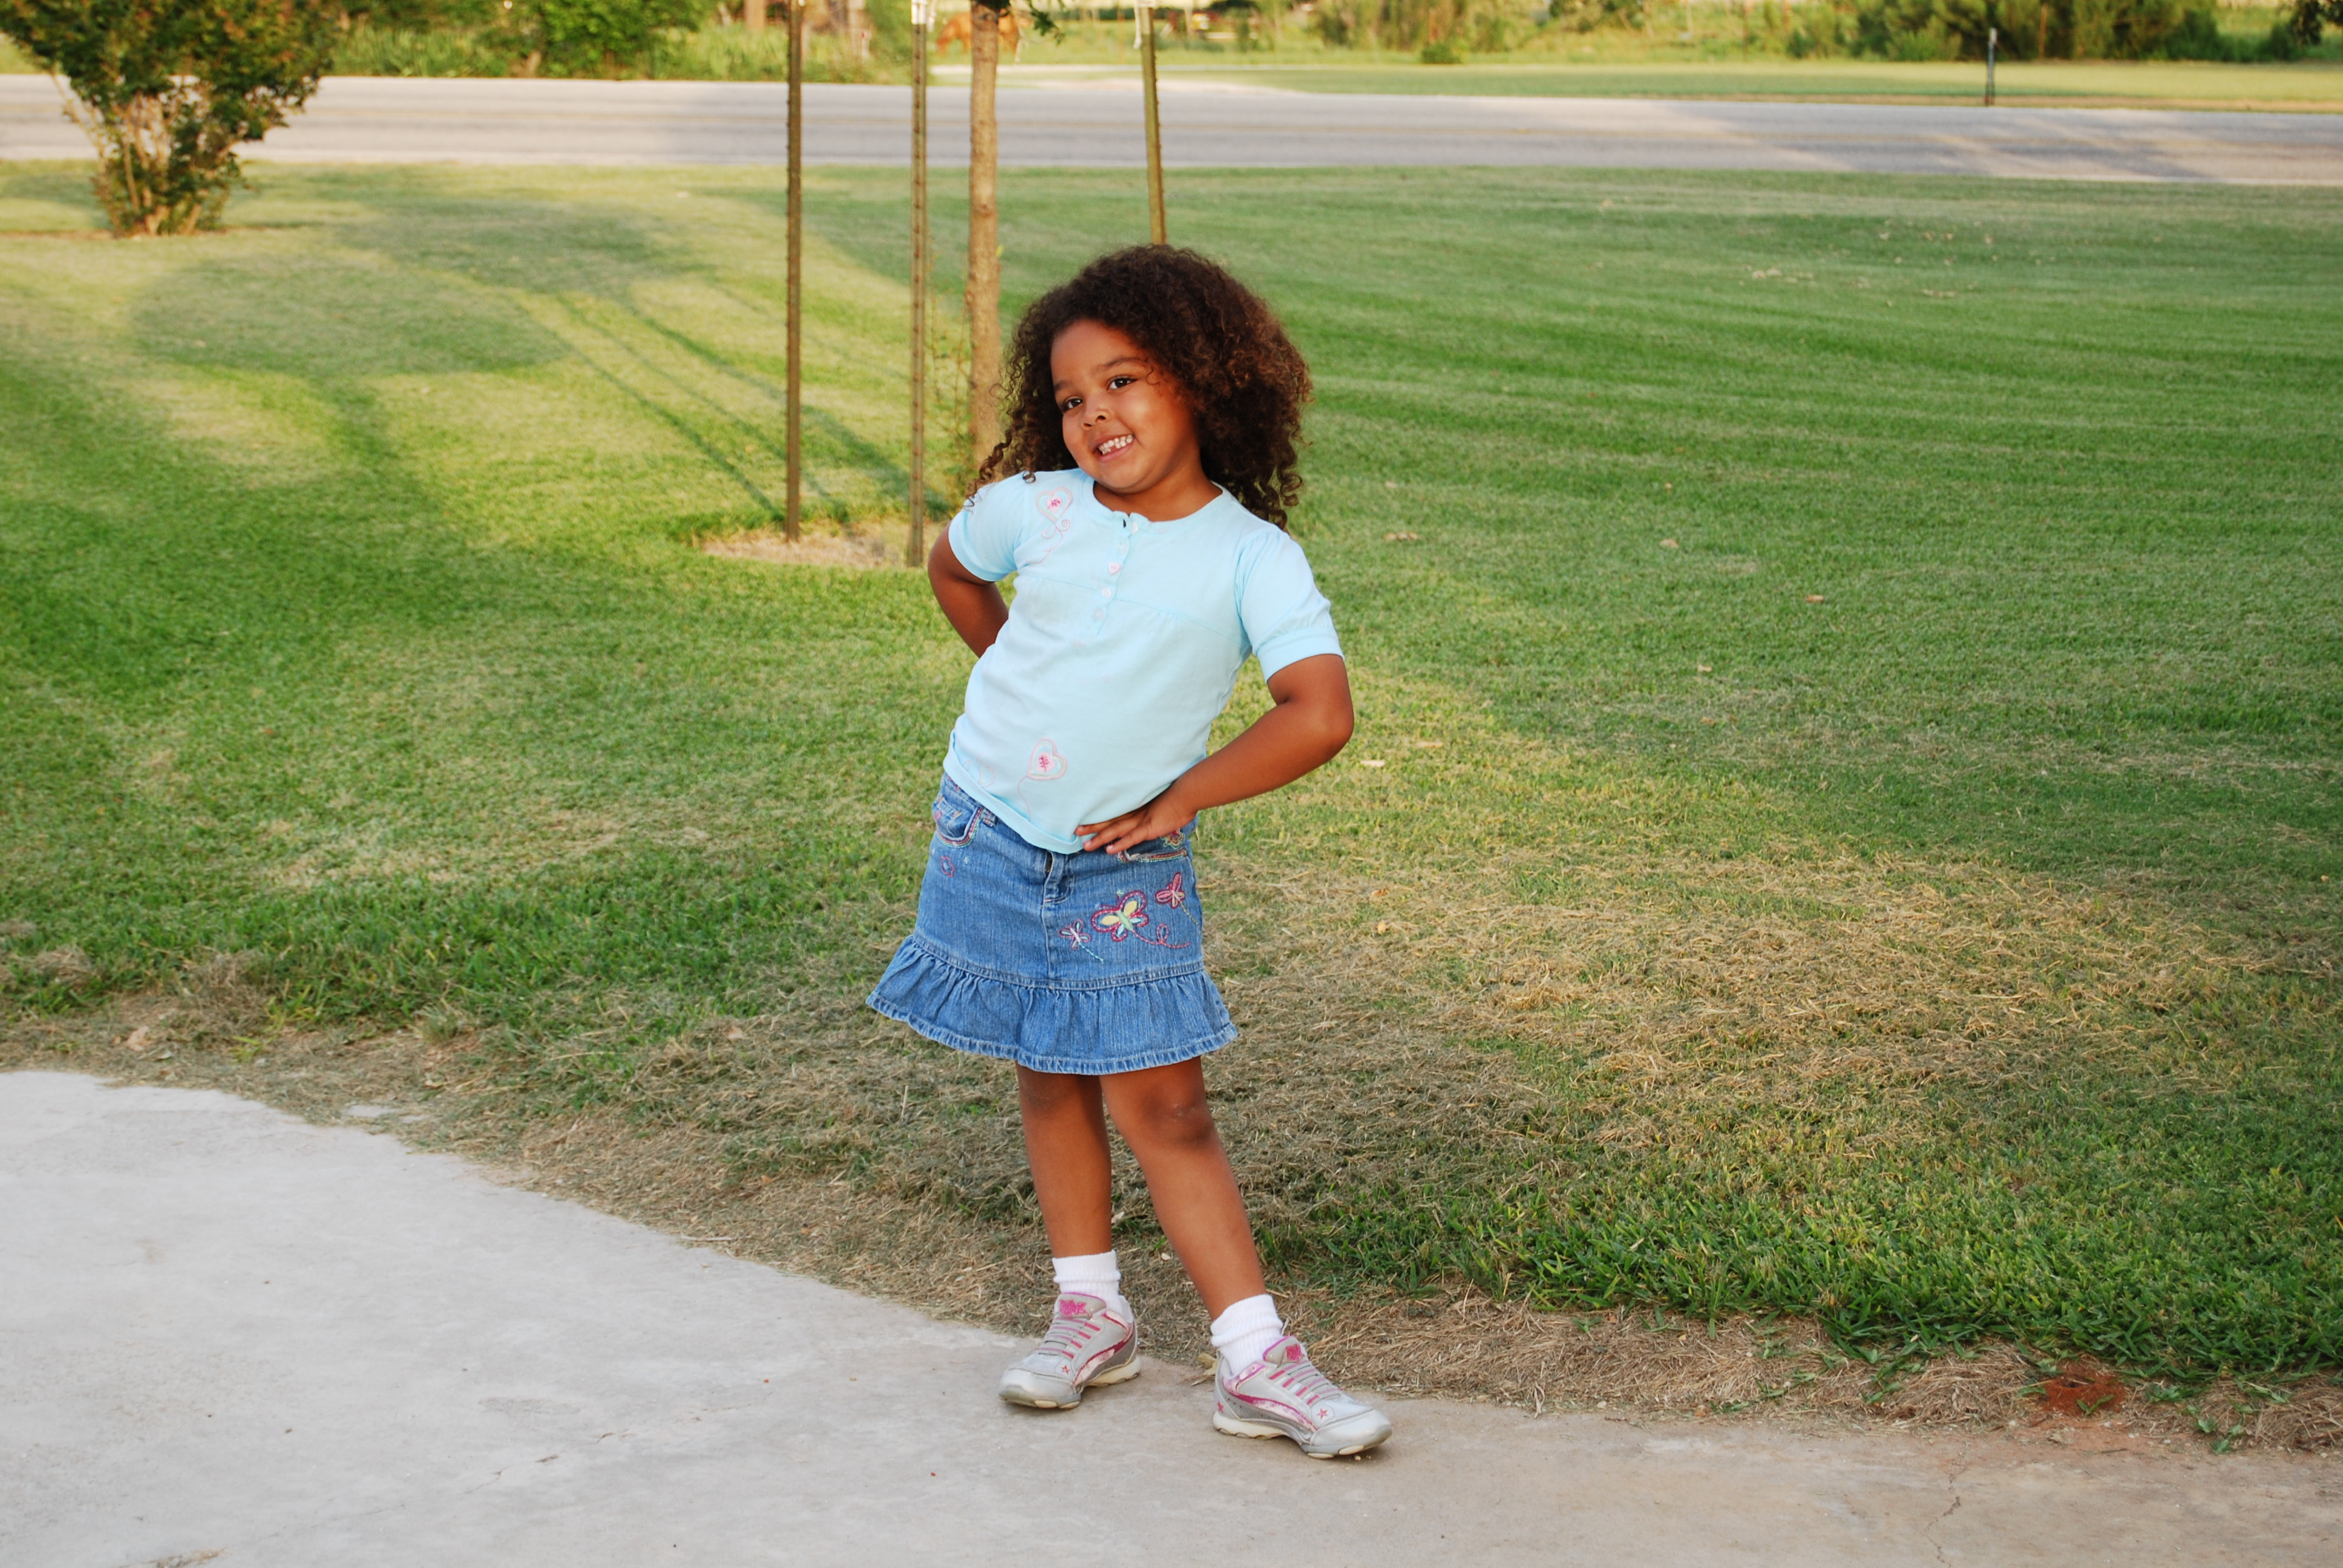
1124,419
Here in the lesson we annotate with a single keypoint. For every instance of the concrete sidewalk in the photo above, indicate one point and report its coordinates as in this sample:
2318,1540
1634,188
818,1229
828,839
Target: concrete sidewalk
229,1336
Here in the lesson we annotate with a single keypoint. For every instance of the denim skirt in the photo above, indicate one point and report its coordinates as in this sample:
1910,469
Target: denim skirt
1088,963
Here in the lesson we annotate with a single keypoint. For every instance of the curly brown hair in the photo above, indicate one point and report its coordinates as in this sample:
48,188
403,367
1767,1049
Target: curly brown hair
1241,378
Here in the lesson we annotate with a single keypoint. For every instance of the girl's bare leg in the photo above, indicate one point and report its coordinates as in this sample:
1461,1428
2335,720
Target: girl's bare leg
1065,1144
1163,1116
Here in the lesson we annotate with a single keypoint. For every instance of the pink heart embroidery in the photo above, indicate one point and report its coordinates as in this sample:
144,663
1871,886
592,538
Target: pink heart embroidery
1046,763
1054,503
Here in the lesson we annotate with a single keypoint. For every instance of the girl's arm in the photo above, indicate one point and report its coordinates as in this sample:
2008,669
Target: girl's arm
974,605
1310,722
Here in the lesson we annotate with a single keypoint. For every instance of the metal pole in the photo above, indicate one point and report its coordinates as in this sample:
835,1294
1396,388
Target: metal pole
1992,42
923,15
1155,230
796,250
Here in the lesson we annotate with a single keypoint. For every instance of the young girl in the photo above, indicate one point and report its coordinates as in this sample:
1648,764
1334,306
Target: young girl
1154,406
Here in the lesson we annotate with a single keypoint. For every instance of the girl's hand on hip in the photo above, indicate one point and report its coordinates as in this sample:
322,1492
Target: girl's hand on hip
1309,721
1159,819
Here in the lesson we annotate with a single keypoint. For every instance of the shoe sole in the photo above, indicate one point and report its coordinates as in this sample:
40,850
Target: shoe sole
1122,1373
1235,1428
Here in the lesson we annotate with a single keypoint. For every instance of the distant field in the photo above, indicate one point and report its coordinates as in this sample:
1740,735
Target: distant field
1846,814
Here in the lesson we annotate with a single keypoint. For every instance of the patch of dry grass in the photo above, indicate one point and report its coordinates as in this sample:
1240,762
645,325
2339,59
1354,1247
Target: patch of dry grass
1850,990
865,547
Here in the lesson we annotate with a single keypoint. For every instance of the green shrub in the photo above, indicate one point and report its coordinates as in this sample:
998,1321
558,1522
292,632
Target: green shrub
2200,37
604,37
167,89
653,38
1491,25
1585,15
371,50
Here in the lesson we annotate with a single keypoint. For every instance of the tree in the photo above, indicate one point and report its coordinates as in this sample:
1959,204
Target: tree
167,89
2310,18
983,297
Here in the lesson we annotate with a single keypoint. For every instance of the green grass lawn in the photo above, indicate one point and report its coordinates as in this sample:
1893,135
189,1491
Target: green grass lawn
1849,673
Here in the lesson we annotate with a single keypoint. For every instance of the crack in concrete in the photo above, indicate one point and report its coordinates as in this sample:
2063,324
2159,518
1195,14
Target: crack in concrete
1953,1479
1931,1531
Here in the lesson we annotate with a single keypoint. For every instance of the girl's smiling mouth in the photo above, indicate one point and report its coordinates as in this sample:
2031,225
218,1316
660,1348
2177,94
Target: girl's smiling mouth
1110,446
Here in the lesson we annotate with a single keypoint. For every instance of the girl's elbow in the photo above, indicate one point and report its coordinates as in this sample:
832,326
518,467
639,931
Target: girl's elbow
1334,730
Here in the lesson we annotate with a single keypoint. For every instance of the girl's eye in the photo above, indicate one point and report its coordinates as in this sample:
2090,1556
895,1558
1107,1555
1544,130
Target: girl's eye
1118,382
1069,405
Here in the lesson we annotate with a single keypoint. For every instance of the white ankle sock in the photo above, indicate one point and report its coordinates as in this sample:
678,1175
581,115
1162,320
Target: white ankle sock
1093,1274
1246,1330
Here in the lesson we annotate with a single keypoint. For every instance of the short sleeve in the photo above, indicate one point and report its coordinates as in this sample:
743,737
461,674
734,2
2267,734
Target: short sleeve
986,533
1284,617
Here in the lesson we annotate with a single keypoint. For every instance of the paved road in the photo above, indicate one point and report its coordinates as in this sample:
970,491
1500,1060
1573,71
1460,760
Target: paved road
227,1335
375,120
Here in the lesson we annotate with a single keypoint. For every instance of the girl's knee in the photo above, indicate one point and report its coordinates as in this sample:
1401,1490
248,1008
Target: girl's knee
1168,1121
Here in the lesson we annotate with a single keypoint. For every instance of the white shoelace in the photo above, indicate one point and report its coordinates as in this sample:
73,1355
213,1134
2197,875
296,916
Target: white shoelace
1068,1334
1304,1378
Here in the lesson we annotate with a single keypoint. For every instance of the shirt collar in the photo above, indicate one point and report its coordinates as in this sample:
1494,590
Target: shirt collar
1148,526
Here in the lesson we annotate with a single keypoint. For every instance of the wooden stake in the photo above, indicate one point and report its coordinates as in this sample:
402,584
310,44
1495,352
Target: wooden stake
1155,227
923,15
983,294
796,256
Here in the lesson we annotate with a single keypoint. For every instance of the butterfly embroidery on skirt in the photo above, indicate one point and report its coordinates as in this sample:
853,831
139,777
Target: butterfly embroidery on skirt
1122,917
1177,893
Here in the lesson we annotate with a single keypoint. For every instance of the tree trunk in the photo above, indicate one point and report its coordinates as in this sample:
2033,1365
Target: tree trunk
983,234
752,15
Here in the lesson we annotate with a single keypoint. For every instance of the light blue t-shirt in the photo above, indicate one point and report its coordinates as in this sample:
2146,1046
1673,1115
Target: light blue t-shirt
1123,646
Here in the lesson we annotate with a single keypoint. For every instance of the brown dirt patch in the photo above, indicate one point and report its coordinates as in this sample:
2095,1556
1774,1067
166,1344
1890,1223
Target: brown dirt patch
2081,1388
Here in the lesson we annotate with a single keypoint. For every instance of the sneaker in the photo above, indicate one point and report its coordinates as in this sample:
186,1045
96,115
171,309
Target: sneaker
1283,1395
1089,1345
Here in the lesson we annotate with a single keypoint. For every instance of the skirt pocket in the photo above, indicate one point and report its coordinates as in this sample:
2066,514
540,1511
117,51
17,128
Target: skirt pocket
956,818
1170,846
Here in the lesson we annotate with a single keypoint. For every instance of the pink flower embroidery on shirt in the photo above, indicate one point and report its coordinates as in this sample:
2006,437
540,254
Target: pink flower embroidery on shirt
1047,762
1057,506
